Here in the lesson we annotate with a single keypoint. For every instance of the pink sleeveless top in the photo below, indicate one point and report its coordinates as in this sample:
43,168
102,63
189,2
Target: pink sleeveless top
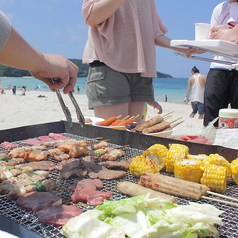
126,40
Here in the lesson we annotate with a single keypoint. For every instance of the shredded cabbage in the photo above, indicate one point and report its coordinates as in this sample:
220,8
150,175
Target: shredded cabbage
144,217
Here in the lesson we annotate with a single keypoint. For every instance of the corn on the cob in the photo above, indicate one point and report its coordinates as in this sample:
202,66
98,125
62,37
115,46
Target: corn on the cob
141,164
214,176
176,152
189,170
199,157
234,170
218,160
158,153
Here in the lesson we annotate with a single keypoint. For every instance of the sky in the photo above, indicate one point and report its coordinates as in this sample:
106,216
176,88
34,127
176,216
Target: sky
57,27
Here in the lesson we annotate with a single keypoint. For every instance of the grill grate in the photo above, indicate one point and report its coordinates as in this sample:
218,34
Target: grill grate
29,220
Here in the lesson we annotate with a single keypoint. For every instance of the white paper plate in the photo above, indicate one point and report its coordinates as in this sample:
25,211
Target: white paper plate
165,134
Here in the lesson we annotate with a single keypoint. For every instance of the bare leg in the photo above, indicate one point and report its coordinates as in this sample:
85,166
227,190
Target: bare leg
113,110
131,108
136,108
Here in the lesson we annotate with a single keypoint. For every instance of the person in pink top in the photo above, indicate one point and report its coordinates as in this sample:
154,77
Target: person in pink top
120,51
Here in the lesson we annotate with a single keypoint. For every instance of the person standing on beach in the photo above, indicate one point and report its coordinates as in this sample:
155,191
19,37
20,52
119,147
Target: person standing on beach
120,51
17,53
196,85
221,88
23,90
14,90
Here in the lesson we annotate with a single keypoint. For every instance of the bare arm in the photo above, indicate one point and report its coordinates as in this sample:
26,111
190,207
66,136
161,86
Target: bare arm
156,105
102,10
164,41
186,100
19,54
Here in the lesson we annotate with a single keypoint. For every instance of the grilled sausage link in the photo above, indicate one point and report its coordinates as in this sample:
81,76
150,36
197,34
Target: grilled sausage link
156,128
134,189
149,123
171,185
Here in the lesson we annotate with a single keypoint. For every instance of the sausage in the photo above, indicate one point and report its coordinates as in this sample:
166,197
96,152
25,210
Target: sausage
134,189
156,128
149,123
171,185
108,121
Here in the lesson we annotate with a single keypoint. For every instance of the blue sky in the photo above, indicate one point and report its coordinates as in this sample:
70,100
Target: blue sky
56,26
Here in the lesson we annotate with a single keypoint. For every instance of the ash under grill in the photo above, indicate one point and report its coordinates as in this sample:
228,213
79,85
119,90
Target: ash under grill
29,220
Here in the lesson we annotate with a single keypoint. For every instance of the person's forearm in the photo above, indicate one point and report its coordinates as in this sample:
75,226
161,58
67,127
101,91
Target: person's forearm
18,53
163,41
102,10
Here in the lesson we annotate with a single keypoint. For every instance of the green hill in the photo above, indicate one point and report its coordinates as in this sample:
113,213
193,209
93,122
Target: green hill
6,71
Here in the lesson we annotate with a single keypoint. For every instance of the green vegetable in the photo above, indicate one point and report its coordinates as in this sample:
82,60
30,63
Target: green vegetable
39,187
98,153
2,158
10,167
144,217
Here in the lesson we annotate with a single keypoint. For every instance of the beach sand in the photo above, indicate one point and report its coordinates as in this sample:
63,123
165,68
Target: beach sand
18,110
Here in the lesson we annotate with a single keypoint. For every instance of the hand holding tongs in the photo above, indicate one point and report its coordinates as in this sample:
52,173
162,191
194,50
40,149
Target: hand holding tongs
65,108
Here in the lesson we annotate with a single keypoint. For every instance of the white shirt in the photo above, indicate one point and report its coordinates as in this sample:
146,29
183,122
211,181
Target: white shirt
224,13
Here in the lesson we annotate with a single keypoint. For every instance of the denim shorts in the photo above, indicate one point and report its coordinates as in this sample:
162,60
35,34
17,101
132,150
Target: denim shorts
106,86
198,107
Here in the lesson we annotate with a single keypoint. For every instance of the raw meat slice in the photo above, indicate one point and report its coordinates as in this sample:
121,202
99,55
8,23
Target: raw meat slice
8,146
90,196
58,215
36,201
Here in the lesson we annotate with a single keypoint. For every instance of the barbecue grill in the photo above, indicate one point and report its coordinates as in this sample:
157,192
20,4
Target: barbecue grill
24,224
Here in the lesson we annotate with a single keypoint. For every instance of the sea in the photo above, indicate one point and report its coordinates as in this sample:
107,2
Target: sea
174,89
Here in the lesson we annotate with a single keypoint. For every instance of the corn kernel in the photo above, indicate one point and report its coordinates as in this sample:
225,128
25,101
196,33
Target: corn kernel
189,170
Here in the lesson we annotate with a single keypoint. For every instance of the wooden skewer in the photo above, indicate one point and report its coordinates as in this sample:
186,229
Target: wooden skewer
221,201
167,114
136,116
167,117
175,120
125,118
176,124
3,196
98,138
96,141
124,146
118,116
222,196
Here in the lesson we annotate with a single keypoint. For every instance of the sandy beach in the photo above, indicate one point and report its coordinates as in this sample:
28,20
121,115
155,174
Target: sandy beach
18,110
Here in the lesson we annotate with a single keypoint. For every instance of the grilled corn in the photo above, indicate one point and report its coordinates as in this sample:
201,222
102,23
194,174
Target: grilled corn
141,164
218,160
158,153
176,152
215,177
199,157
189,170
234,170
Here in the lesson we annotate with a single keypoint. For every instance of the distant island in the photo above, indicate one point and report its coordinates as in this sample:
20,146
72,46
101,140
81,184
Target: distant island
6,71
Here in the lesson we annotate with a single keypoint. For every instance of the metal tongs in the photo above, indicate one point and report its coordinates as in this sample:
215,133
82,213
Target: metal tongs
65,108
207,51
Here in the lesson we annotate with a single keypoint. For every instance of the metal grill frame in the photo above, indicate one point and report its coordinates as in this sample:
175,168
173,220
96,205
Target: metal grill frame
11,213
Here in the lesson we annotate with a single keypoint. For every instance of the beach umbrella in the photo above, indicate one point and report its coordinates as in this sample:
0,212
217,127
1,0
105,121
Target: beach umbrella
3,87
